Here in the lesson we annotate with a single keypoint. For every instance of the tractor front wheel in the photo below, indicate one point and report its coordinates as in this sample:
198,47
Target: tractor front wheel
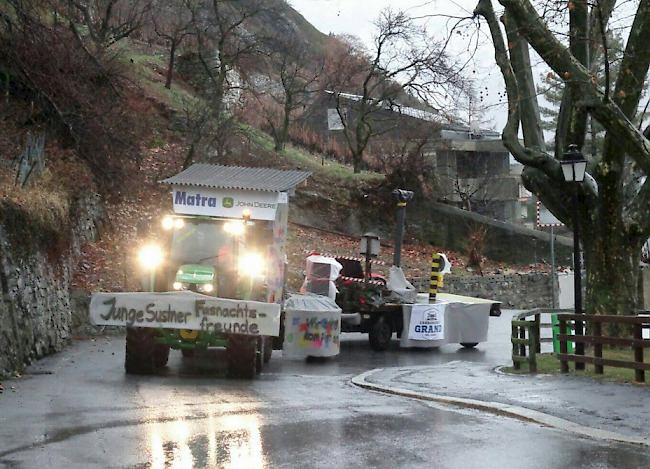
140,348
243,351
160,355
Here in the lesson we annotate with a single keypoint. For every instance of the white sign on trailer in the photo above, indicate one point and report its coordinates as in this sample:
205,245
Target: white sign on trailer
185,310
427,322
226,203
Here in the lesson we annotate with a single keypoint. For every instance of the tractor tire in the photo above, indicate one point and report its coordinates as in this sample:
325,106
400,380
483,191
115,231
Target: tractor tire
469,344
268,348
259,356
160,355
243,354
380,335
140,347
187,352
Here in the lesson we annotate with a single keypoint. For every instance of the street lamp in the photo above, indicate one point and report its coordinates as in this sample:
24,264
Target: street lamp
573,167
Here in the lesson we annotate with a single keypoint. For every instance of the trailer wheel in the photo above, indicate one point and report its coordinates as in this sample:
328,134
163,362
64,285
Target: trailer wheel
380,335
139,355
243,354
160,355
187,352
469,344
268,348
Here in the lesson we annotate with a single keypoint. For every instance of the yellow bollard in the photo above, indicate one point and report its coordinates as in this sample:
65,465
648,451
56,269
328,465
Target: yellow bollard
436,278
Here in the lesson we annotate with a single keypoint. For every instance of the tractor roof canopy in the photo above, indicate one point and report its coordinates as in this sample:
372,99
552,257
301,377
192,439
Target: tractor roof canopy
226,191
238,177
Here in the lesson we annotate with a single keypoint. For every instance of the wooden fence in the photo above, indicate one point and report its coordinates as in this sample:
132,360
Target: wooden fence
527,337
638,343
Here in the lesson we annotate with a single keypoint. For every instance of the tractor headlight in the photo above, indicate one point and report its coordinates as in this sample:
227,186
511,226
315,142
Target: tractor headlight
251,264
170,222
204,288
234,228
181,286
151,257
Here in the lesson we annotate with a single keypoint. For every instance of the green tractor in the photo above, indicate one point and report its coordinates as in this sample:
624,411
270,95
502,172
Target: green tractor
219,262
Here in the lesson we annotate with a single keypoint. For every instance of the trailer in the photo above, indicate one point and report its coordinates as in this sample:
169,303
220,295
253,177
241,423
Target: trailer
382,307
215,274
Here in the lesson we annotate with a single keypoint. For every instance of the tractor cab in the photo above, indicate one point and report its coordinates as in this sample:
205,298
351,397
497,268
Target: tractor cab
218,257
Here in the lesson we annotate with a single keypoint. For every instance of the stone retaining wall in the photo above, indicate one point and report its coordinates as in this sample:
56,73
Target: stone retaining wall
514,291
35,313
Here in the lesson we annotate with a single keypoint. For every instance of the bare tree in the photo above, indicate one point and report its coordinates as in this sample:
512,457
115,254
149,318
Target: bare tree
211,134
614,220
288,77
172,20
75,93
404,156
404,60
225,35
109,21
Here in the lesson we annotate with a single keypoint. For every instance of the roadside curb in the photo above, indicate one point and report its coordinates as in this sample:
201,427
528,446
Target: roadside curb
497,408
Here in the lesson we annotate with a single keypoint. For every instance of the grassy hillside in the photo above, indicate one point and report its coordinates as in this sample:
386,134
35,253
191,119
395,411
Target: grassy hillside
112,126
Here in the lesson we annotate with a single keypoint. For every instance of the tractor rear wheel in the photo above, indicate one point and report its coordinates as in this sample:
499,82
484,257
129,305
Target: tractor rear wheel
268,348
380,335
140,346
243,354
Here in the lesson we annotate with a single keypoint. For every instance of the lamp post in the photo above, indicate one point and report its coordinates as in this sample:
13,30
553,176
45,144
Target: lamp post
402,197
573,167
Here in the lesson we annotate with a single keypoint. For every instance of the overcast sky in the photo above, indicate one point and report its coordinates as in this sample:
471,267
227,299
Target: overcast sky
356,16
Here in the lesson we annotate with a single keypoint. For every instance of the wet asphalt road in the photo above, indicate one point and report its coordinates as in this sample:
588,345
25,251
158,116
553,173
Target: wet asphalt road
79,410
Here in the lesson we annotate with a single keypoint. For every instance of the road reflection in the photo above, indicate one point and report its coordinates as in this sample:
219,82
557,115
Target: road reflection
231,441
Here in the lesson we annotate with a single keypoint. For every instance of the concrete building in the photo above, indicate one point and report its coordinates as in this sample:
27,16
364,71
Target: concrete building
475,172
472,169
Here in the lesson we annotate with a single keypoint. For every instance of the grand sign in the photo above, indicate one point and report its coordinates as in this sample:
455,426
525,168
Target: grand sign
185,310
228,203
427,322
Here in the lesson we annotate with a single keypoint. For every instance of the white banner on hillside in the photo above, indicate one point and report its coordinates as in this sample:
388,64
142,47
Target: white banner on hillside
185,310
334,121
427,322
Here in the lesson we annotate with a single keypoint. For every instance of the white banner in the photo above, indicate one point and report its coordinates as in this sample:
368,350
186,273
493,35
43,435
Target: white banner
427,322
314,334
185,310
228,203
334,121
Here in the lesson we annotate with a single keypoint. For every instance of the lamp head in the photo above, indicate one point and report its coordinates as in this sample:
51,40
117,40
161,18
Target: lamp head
573,164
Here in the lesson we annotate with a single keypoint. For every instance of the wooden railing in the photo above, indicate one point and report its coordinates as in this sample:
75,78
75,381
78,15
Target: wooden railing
638,343
526,336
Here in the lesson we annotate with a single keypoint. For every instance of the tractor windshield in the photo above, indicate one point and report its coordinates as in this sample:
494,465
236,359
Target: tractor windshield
201,242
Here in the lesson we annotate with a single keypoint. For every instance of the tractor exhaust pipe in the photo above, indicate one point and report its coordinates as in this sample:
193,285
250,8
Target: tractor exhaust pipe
402,197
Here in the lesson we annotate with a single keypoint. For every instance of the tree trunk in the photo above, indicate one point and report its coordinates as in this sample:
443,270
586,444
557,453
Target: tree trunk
170,70
283,131
612,263
356,161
